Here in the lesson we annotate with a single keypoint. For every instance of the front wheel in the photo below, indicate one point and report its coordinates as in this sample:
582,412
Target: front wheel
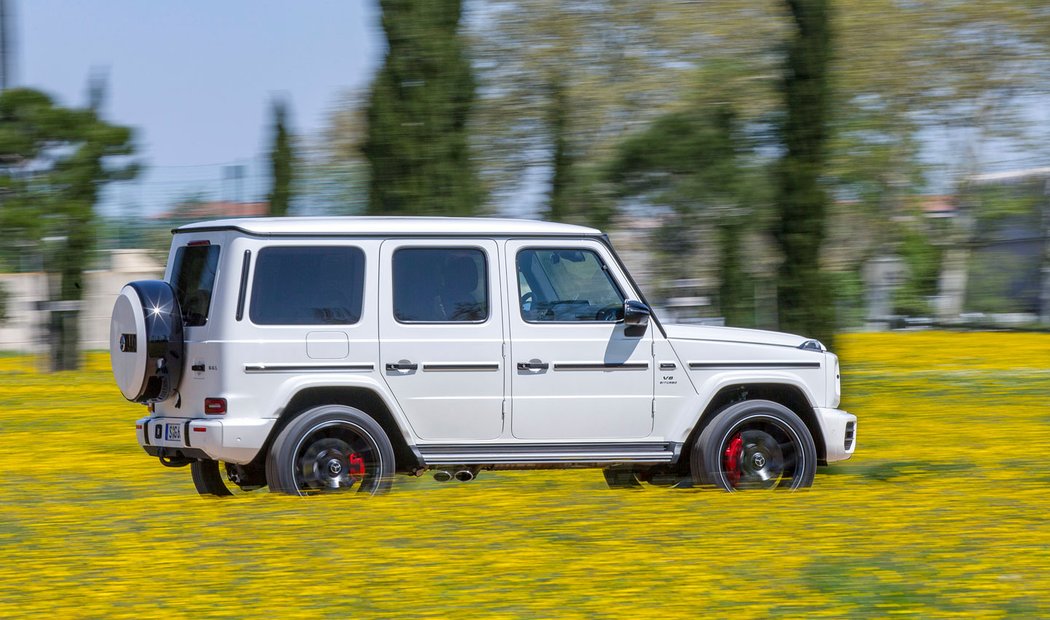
331,449
755,445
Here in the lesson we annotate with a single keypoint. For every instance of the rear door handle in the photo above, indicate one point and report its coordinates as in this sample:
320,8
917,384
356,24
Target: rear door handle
402,366
533,365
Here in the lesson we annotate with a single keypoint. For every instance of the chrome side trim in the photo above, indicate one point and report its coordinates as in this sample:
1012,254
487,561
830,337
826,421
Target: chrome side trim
601,366
548,453
252,369
738,365
460,367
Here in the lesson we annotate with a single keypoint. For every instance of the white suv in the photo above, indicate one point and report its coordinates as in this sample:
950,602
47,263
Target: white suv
327,354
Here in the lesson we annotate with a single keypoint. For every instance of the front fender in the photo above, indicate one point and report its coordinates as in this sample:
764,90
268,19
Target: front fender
709,384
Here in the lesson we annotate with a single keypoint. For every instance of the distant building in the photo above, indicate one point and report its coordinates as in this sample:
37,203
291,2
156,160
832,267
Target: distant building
215,209
1009,266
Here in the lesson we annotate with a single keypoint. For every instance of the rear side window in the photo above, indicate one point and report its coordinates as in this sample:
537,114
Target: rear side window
440,285
193,277
308,286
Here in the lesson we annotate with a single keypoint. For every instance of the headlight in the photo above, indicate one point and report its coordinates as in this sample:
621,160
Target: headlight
834,381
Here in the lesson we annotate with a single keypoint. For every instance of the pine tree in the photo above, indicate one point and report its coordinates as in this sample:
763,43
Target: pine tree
417,144
281,157
804,303
53,163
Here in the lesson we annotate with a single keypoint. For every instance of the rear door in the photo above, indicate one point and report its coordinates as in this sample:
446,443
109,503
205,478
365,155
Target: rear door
441,336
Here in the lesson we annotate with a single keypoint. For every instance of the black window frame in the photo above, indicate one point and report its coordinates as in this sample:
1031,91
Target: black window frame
214,255
260,259
484,280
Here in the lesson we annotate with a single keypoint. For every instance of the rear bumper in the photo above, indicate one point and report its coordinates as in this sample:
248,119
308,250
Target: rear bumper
840,433
230,440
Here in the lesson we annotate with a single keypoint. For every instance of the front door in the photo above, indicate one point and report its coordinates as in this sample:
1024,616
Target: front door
441,335
577,371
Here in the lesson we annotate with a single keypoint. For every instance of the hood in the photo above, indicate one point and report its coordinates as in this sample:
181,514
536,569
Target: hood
732,334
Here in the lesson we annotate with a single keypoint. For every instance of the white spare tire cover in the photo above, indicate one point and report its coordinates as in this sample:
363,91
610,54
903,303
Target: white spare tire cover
146,341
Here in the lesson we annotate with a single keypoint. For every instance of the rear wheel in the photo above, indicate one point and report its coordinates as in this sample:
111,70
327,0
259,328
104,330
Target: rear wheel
755,445
331,449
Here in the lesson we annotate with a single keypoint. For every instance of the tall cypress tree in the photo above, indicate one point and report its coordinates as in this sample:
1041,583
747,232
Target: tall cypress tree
804,302
281,161
417,143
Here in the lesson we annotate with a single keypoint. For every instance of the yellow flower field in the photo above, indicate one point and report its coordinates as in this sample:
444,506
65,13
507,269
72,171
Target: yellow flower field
942,512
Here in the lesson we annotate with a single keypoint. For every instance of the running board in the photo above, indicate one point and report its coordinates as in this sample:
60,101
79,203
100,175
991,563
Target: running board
492,454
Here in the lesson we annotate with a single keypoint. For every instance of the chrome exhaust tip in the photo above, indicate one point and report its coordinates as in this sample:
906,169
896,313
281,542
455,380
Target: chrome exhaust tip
442,476
464,475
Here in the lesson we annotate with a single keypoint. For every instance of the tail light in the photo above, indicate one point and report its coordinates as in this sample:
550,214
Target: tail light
214,406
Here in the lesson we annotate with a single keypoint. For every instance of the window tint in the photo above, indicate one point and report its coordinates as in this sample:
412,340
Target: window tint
193,276
440,285
566,285
308,286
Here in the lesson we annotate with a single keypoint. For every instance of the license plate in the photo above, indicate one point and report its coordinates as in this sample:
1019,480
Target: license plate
173,432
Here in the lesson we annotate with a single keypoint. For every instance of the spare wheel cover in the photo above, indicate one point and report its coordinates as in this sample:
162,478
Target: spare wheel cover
146,341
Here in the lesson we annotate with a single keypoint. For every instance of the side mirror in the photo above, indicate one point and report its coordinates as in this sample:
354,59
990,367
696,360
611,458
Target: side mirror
635,313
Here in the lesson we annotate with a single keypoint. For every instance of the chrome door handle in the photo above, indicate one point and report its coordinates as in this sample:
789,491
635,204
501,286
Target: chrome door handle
402,366
537,365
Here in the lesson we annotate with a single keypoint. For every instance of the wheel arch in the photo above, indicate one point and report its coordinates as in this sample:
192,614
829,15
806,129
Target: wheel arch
406,458
786,394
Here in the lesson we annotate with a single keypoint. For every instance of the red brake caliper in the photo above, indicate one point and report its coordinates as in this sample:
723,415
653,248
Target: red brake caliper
357,465
732,459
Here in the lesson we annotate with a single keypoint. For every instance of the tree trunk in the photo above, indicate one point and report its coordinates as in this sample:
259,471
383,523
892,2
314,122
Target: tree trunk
803,299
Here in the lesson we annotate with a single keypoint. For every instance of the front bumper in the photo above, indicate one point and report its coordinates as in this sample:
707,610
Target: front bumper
232,440
840,433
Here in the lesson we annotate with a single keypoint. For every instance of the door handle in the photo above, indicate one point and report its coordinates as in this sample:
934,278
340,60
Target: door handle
537,365
402,366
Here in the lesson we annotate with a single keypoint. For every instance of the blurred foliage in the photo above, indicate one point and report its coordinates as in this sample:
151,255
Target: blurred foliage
281,161
1004,201
847,288
900,77
417,144
923,261
332,174
53,160
699,165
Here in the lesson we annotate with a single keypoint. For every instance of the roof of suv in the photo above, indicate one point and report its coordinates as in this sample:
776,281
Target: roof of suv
372,226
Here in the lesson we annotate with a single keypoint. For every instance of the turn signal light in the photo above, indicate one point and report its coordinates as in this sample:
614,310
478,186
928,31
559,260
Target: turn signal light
214,406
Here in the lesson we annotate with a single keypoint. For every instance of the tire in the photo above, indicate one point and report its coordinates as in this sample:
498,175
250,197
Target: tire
755,444
215,478
331,449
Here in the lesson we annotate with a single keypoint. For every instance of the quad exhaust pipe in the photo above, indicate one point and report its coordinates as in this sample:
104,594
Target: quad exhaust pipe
463,475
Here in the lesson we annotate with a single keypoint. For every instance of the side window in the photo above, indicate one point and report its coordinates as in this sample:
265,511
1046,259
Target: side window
566,285
193,277
440,285
321,285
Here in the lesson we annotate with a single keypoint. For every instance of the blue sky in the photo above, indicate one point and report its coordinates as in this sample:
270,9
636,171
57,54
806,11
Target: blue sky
195,78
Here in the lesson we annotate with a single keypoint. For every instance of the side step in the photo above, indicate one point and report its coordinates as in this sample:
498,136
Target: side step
523,453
